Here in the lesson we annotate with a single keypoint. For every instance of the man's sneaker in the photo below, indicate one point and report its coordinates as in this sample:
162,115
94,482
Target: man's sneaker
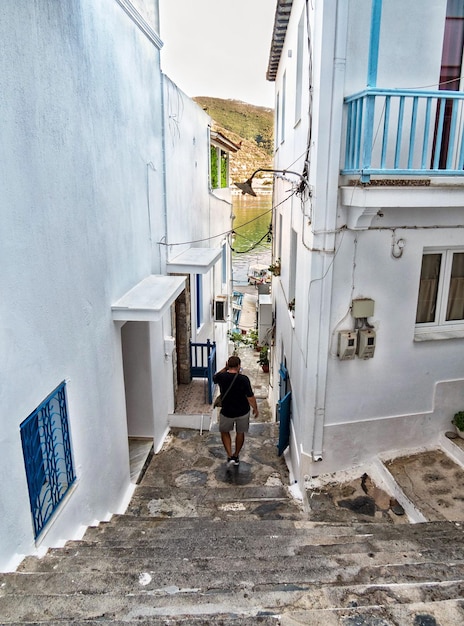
230,461
236,460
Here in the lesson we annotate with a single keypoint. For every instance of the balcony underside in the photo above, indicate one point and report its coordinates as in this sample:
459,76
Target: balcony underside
366,202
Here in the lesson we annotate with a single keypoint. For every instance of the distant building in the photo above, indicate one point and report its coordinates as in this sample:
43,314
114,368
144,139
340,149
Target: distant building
369,303
113,250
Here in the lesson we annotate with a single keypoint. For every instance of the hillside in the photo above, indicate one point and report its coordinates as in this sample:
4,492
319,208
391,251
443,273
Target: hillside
245,124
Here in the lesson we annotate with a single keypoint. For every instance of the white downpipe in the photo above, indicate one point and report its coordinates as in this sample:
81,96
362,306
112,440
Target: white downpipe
163,262
336,13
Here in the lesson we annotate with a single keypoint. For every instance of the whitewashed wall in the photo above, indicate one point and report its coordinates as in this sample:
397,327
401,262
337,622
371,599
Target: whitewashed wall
197,217
80,120
346,412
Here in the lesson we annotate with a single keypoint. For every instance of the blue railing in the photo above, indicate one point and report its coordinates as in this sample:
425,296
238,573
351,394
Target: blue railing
203,363
211,370
404,132
47,456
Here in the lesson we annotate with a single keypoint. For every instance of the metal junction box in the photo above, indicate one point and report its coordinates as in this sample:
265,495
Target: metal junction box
362,308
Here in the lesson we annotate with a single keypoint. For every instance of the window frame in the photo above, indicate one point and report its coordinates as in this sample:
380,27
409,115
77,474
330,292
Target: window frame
48,457
440,327
199,300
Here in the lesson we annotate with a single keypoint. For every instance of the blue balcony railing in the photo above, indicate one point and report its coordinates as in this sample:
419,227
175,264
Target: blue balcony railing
404,132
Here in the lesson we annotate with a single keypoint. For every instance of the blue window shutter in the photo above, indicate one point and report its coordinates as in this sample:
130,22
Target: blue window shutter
284,418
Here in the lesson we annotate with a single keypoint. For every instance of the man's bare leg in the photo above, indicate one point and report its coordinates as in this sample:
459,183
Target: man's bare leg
239,441
227,443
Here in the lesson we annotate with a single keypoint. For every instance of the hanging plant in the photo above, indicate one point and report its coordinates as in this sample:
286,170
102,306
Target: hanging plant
274,268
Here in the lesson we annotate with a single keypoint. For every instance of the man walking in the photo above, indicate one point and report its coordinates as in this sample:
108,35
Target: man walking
237,398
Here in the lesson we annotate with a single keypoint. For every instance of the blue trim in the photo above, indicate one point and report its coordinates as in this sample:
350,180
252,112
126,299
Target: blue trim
47,455
199,299
419,134
374,42
434,93
284,407
401,172
203,363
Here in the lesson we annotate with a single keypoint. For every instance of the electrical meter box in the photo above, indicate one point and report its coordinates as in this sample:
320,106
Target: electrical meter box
347,342
366,343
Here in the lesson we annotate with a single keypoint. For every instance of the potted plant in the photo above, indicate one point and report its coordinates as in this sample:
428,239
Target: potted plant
252,338
458,421
264,358
274,268
237,338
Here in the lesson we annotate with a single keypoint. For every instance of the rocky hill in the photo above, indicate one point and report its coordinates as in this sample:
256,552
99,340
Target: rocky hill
251,127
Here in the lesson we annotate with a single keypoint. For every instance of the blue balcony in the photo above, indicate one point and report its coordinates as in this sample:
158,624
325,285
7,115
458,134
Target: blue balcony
399,132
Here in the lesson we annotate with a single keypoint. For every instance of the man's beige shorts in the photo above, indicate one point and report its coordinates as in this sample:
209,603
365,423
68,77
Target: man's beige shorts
241,424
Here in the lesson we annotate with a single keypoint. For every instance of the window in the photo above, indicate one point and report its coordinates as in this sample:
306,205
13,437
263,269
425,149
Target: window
299,69
441,288
219,163
292,271
450,75
284,98
224,264
277,121
47,456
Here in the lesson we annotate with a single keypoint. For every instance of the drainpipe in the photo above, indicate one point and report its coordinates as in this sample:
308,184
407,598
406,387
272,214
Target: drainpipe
162,266
340,19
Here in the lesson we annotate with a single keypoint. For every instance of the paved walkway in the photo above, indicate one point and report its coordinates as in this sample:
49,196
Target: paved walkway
192,398
427,483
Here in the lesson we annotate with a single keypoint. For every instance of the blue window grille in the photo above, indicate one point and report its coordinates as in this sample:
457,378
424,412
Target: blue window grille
47,456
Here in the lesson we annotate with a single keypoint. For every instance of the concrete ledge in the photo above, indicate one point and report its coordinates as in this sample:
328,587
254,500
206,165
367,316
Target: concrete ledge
195,422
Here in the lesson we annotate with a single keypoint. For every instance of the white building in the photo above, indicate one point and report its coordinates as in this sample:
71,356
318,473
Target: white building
110,232
369,304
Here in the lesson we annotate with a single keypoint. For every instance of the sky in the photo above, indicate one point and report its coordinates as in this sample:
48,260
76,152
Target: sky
219,48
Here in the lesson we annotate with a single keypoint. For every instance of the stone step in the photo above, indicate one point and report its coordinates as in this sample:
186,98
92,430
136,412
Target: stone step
247,602
171,524
221,619
121,559
93,564
199,535
270,546
181,527
155,580
445,613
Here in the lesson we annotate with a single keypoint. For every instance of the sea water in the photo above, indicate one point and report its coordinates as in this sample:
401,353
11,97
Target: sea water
252,242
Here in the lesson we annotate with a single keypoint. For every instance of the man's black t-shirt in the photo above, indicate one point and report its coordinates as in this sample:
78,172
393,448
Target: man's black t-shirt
235,403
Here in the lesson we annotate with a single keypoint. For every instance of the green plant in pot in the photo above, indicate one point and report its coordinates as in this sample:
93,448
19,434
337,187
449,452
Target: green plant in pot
458,421
252,338
237,338
264,358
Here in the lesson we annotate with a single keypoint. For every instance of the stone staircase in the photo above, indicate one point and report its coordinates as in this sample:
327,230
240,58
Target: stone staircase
204,544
